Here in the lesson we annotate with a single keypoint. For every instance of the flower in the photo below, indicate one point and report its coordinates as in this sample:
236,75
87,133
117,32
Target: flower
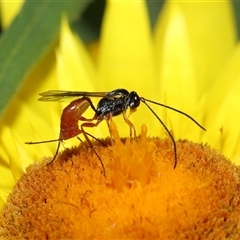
140,197
181,65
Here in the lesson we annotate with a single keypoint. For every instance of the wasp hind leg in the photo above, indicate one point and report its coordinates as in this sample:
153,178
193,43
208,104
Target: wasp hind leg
85,134
56,153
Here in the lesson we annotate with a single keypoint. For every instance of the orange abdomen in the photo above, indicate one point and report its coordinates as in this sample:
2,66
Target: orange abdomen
70,117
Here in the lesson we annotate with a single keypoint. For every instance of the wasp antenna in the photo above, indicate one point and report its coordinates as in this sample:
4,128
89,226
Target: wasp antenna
165,127
47,141
174,109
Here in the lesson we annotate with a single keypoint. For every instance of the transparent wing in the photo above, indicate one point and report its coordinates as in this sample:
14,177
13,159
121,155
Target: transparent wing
58,95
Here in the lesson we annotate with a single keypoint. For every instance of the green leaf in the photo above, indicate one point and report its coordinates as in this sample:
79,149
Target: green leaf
29,36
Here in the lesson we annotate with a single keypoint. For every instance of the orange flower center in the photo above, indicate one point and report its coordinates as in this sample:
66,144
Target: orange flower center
142,196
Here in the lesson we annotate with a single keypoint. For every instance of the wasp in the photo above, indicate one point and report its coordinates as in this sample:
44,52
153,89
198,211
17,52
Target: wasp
111,104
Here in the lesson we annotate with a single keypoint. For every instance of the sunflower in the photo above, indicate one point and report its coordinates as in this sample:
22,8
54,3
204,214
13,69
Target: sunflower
181,64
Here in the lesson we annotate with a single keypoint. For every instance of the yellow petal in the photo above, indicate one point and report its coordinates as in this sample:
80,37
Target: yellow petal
222,106
1,200
190,51
212,33
9,9
126,54
7,176
177,83
26,119
75,68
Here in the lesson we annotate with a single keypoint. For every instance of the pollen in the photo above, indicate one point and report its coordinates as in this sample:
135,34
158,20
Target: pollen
142,195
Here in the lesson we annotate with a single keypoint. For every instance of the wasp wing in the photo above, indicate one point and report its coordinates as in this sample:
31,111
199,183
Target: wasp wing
58,95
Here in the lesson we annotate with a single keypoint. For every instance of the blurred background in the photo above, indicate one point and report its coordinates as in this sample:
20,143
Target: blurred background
36,27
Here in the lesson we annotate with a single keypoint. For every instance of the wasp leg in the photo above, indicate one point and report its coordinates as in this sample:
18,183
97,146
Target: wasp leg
89,124
130,124
56,153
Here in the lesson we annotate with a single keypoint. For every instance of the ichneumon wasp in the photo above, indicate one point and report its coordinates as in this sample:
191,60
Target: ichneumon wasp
110,105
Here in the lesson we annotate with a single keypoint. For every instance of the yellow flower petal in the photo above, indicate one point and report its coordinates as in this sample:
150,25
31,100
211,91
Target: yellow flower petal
8,175
2,202
75,68
26,119
191,49
126,52
221,109
177,84
212,35
9,9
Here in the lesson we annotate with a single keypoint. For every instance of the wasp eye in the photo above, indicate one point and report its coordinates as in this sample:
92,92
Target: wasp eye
134,100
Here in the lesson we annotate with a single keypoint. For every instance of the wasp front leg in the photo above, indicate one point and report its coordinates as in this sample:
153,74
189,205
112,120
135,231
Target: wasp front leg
130,124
